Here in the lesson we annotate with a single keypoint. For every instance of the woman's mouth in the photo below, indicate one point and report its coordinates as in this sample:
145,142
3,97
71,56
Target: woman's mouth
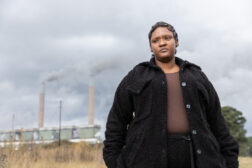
163,50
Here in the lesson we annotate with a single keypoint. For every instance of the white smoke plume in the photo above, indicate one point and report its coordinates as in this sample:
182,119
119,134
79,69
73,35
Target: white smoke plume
83,72
56,75
104,65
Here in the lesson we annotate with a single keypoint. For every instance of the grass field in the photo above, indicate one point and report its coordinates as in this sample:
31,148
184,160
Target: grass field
245,162
79,155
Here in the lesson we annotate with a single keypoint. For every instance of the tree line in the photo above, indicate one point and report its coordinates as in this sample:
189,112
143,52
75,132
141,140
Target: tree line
236,121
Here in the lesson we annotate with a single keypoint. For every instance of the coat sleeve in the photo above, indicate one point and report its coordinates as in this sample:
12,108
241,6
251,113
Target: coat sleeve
229,147
119,117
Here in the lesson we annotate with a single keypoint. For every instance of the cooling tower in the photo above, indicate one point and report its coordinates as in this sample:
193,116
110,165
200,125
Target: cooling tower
91,105
41,107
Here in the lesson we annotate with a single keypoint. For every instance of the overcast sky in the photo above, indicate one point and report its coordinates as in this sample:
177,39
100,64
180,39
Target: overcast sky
63,43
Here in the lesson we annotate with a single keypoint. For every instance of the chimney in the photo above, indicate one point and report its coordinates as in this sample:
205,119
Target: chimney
91,104
41,106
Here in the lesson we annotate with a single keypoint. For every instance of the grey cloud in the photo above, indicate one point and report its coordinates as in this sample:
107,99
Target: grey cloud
69,40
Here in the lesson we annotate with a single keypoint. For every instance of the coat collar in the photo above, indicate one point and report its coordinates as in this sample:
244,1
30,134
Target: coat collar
180,62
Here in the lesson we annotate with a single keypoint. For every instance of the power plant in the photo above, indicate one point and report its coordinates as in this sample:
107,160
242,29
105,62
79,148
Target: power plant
89,133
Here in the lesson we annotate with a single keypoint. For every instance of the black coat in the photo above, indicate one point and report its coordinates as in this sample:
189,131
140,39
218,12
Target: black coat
136,129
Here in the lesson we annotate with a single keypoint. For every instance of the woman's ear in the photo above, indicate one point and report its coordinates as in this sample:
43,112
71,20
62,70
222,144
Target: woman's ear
177,44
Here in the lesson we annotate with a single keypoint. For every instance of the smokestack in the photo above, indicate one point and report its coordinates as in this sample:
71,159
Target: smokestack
91,104
41,106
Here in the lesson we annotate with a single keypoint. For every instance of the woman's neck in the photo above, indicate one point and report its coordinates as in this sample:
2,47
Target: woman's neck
168,67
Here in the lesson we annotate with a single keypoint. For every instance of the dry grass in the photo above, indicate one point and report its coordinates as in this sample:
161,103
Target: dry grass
245,162
79,155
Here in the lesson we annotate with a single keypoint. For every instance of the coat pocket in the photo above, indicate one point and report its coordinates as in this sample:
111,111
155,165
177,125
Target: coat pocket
214,142
131,149
138,86
141,91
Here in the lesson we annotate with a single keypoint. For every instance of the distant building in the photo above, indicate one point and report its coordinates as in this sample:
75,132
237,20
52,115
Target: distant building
88,133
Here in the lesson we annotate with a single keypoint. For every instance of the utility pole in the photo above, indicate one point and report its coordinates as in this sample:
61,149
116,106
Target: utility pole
60,119
12,127
12,123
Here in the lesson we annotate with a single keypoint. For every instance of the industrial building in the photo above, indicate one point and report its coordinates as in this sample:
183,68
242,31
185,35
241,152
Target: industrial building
87,133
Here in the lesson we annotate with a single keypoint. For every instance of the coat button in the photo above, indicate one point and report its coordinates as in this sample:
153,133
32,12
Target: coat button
194,132
188,106
163,82
124,146
199,151
183,84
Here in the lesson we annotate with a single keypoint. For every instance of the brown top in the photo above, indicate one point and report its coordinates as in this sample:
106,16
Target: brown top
177,121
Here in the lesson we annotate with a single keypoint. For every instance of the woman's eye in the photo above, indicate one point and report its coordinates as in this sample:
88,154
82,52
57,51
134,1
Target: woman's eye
167,37
155,41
